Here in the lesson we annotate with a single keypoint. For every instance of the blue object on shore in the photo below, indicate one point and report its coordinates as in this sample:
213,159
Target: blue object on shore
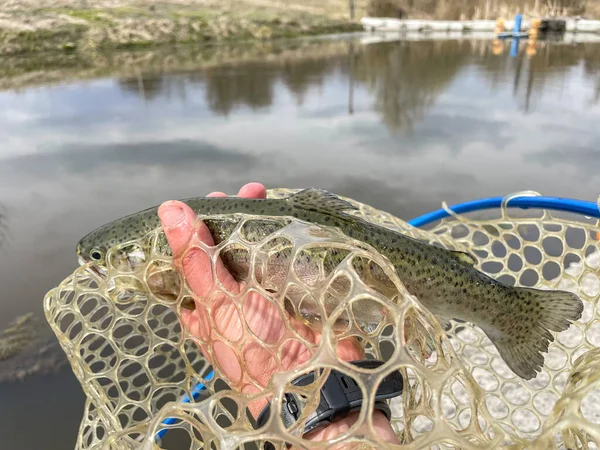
515,35
518,21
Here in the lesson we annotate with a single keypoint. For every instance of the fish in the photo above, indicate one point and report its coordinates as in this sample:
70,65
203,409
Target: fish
517,320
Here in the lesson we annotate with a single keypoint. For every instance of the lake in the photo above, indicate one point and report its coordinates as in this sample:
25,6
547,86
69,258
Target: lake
400,125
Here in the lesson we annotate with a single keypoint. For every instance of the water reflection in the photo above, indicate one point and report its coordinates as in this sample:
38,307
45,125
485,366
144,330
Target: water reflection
231,86
3,226
403,96
28,348
405,78
147,87
399,125
551,64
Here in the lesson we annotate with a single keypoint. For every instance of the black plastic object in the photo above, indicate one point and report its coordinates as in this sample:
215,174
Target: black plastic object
340,396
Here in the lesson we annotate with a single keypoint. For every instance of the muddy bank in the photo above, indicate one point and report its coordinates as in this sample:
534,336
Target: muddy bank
63,26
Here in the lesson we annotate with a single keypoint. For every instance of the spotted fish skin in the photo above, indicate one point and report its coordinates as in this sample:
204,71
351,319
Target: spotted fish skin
517,320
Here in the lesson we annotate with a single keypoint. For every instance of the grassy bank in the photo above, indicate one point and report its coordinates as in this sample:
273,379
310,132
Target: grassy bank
30,26
33,26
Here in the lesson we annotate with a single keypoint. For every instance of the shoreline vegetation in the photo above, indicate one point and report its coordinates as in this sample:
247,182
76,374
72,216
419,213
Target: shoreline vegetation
42,26
33,26
74,40
295,61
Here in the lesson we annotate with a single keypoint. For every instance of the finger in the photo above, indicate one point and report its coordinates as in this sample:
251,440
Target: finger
198,324
178,221
217,194
349,349
253,190
197,267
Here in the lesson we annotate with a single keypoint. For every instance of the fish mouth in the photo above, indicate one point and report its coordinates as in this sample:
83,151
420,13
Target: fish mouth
94,269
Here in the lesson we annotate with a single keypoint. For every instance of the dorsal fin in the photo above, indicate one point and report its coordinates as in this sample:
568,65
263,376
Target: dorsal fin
465,257
320,200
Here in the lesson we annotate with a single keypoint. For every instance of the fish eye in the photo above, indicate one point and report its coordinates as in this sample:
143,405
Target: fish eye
96,255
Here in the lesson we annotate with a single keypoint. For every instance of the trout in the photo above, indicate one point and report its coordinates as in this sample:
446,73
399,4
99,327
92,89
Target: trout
517,320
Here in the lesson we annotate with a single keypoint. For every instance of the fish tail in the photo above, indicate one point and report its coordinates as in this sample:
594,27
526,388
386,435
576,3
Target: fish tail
522,344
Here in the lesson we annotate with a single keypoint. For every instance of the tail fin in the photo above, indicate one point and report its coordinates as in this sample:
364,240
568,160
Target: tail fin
521,344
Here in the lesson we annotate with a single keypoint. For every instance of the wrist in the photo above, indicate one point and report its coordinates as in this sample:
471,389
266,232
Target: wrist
339,405
383,428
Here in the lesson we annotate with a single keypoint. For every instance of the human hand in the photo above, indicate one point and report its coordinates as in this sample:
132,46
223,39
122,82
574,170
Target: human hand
182,228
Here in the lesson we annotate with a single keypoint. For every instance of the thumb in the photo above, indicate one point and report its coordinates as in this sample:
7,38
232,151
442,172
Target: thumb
184,232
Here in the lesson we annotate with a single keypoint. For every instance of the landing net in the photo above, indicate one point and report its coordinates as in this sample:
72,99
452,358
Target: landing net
136,361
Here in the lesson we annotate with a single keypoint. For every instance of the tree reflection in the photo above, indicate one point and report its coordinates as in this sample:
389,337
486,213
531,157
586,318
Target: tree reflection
551,63
147,86
404,77
407,77
591,66
299,78
250,85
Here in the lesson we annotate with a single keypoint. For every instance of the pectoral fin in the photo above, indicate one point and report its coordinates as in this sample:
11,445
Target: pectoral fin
465,258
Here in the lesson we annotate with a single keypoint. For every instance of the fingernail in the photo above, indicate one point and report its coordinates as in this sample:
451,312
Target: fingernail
171,215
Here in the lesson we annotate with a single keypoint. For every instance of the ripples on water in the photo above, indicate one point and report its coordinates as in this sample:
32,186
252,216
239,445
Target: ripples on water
399,125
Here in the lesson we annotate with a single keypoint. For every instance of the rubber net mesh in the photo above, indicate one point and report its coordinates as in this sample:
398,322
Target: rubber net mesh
136,361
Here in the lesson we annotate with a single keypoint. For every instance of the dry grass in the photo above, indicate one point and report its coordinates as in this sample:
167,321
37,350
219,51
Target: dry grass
40,25
592,8
28,26
328,8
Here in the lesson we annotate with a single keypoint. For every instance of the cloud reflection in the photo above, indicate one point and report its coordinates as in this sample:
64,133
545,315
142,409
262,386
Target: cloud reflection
125,156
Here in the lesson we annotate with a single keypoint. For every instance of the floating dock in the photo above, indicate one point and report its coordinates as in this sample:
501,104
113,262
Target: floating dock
394,36
571,25
512,34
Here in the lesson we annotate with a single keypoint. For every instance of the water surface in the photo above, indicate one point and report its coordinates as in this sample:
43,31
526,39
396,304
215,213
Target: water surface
399,125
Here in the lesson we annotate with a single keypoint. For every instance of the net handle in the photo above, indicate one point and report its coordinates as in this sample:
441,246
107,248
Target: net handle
186,399
554,203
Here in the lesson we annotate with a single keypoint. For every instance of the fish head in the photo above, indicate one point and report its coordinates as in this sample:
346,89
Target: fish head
92,251
94,246
123,244
126,256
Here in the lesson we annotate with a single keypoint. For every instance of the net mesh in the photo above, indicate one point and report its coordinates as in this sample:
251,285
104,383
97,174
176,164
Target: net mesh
135,359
